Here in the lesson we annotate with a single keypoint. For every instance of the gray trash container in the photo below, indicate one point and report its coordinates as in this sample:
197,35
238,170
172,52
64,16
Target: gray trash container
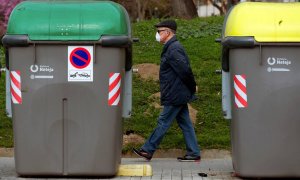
68,63
260,56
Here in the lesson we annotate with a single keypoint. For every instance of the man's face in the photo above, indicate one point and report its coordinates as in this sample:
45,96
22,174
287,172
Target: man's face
163,33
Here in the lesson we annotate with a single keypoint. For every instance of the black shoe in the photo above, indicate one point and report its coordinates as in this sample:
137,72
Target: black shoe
143,154
188,158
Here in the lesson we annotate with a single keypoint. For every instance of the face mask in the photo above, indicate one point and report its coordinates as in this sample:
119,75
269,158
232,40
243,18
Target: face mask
157,37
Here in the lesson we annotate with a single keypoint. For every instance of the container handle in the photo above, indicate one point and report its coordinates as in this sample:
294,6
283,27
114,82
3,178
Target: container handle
15,40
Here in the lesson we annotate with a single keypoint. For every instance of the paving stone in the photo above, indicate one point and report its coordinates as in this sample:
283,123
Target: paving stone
146,178
176,173
135,178
166,173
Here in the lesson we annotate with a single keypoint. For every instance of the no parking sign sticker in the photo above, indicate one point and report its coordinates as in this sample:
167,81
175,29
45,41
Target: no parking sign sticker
80,63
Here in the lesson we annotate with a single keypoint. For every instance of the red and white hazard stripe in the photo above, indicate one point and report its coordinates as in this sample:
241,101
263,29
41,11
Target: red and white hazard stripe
15,87
114,89
240,91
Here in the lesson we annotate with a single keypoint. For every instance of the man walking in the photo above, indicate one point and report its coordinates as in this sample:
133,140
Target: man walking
177,87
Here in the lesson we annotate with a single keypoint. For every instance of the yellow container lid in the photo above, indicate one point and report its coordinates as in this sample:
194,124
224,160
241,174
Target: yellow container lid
266,22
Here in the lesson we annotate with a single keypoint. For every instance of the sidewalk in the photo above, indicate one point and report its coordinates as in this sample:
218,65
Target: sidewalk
163,168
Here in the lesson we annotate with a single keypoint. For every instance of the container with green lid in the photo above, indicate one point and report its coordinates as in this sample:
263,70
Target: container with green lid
71,79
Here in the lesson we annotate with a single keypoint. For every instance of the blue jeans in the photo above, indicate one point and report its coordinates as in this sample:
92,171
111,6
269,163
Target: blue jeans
166,117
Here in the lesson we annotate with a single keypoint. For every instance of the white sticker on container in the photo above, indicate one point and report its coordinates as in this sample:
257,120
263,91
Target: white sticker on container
80,63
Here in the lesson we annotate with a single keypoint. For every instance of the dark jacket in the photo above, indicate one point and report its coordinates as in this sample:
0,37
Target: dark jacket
177,83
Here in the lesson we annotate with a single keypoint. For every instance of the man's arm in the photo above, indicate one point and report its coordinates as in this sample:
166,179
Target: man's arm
180,65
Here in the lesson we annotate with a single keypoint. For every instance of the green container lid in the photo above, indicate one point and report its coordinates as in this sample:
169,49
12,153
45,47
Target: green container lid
68,20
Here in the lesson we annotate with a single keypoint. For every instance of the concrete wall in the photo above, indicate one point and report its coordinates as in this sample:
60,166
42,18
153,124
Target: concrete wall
207,10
